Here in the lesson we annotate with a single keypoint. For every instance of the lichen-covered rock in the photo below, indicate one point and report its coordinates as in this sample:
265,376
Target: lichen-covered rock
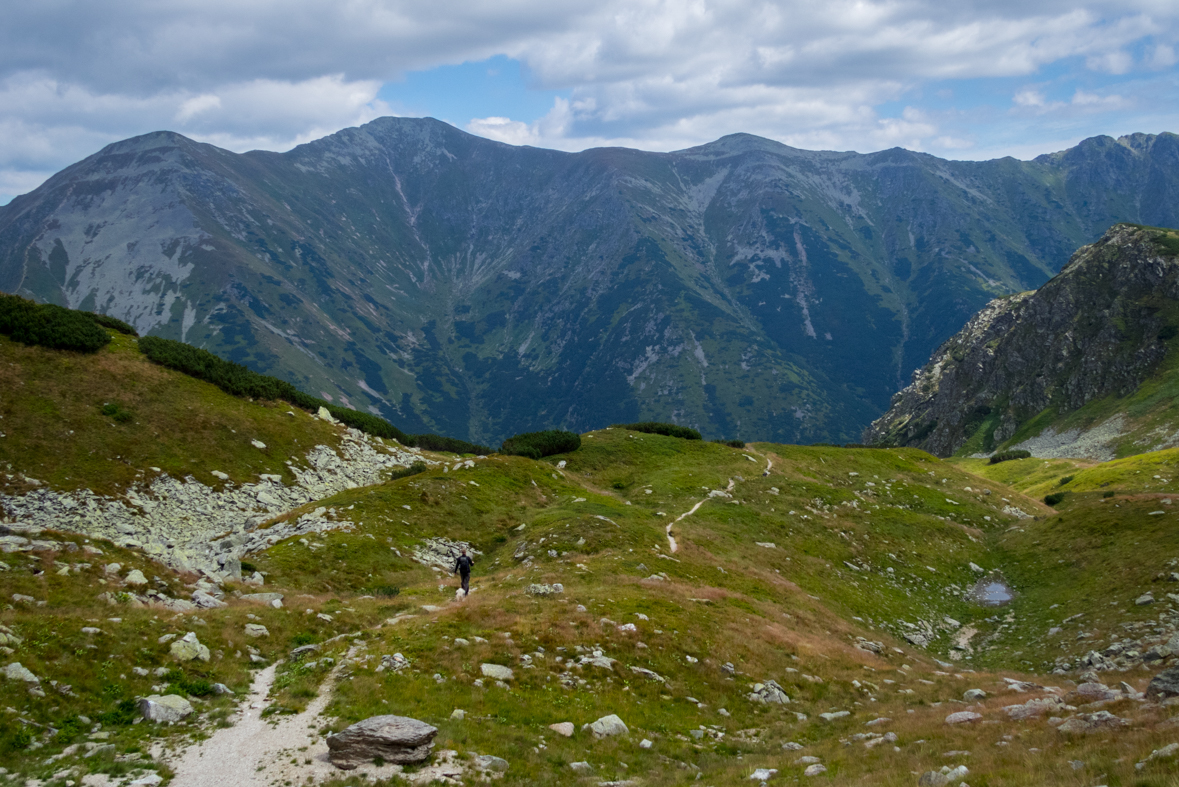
395,739
1164,685
169,708
189,648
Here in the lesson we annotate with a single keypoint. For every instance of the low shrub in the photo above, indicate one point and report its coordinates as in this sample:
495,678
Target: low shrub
237,380
536,445
1107,495
657,427
406,472
117,412
1007,456
1054,498
1064,480
126,712
114,323
452,445
1168,332
730,443
48,325
302,638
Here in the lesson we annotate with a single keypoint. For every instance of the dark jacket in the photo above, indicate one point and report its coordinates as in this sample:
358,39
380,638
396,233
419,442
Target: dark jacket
462,565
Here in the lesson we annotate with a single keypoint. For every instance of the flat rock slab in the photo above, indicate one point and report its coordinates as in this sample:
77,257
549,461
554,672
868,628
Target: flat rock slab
168,708
963,717
395,739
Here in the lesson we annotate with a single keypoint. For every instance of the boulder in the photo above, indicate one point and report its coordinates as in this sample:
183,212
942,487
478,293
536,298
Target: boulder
135,577
168,708
974,695
814,770
1034,708
769,692
1096,692
544,590
17,671
256,630
489,762
497,672
1085,723
963,717
564,728
206,600
1164,685
608,726
189,648
395,739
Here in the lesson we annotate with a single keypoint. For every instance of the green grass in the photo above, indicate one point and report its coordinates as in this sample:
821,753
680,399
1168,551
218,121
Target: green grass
863,540
101,421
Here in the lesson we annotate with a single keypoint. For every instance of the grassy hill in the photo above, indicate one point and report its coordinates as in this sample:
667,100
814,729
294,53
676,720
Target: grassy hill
790,558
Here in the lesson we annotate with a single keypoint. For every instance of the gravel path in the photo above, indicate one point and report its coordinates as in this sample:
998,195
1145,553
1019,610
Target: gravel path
257,752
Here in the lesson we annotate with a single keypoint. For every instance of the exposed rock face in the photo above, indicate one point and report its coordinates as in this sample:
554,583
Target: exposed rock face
1095,330
179,522
395,739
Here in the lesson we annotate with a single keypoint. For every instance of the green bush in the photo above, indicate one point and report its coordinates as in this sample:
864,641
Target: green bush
17,739
452,445
126,712
730,443
117,412
1107,495
535,445
248,567
1168,332
179,683
1054,498
69,728
1007,456
1064,480
302,638
406,472
47,325
114,323
237,380
656,427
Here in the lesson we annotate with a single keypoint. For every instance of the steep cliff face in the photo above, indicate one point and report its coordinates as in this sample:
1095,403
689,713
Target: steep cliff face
1041,361
458,285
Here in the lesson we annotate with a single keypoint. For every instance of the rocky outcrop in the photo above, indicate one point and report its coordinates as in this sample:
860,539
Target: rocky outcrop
395,739
190,526
1098,329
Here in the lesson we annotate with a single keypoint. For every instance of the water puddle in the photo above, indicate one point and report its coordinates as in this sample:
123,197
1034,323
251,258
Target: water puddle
992,592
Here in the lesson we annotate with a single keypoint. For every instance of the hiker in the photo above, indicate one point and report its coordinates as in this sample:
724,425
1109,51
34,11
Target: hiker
462,566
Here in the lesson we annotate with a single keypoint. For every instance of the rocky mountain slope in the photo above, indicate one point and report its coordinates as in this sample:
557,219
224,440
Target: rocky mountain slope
475,289
643,609
1084,366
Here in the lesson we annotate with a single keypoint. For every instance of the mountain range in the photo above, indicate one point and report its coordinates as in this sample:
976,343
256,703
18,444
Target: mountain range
458,285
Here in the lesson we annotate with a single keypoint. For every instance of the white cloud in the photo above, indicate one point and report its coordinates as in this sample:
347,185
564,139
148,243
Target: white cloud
658,74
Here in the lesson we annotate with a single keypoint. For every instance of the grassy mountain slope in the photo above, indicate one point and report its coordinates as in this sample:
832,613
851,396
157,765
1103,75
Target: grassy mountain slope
55,430
451,283
863,541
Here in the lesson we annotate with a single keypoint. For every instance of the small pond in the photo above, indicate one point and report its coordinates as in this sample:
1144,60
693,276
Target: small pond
992,592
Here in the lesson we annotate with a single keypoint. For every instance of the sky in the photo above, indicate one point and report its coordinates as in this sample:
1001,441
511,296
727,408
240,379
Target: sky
958,79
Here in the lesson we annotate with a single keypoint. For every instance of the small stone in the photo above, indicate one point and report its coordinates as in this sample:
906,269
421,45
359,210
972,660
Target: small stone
489,762
496,672
763,774
645,744
582,767
258,444
806,760
564,728
458,714
963,717
17,671
256,630
608,726
792,746
974,695
221,688
839,714
1144,600
932,779
135,577
814,770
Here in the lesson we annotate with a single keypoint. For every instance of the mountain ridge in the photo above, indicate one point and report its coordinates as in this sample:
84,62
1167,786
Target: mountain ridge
449,283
